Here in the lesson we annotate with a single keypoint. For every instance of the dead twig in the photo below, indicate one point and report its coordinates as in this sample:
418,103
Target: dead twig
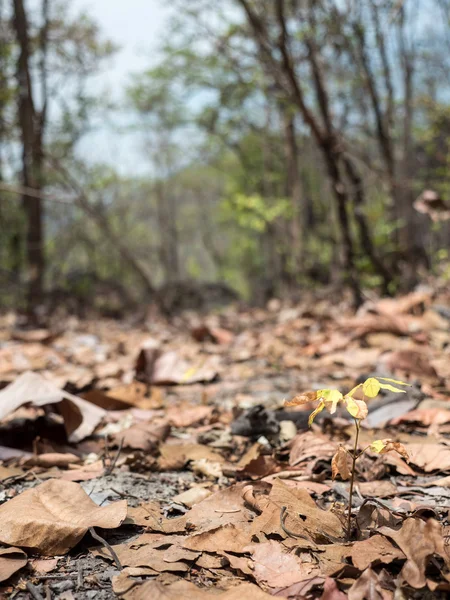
34,591
112,464
110,549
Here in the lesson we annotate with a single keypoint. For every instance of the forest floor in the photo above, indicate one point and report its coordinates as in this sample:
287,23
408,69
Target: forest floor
169,441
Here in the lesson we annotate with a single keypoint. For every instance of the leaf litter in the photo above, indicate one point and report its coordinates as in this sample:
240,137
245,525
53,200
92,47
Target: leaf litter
160,461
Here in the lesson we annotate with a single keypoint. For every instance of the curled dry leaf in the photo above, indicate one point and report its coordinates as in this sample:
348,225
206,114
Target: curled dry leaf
419,540
383,446
339,464
52,517
304,398
11,560
80,417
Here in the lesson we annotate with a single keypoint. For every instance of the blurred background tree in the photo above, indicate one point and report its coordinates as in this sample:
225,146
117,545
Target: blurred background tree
284,142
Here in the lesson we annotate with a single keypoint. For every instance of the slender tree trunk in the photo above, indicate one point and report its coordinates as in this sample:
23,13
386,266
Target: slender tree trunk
294,188
31,162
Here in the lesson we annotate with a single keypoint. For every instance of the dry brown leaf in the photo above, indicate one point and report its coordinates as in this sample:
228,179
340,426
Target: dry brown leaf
192,496
11,561
83,473
161,555
418,540
52,517
424,416
222,508
376,549
7,472
228,538
303,517
377,489
333,558
44,565
301,399
175,456
142,436
186,590
278,569
146,515
170,368
80,417
307,446
429,457
373,516
52,459
204,332
187,415
340,464
409,361
367,587
331,591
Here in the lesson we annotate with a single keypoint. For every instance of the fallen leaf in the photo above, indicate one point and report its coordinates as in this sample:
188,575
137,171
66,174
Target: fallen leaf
11,561
176,455
52,459
224,507
367,587
227,538
376,549
277,568
53,517
192,496
44,565
142,436
80,417
188,415
186,590
331,591
303,517
429,457
419,540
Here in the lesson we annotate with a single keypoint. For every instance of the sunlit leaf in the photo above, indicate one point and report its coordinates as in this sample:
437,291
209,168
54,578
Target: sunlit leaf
315,412
371,387
394,381
391,388
331,398
357,408
378,446
383,446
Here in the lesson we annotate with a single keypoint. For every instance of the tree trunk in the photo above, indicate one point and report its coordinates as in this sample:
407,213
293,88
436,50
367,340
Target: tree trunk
294,188
31,162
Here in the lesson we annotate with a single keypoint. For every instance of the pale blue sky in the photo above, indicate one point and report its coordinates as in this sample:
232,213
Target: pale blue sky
136,26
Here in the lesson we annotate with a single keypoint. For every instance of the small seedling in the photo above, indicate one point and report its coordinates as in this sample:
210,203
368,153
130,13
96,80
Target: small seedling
330,399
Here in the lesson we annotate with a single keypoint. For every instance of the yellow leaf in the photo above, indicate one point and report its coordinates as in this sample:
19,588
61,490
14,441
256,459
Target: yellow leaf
331,398
371,387
378,446
383,446
357,408
315,412
394,381
391,388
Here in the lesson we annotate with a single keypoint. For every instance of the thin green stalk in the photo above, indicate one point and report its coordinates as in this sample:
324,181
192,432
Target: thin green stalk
354,459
